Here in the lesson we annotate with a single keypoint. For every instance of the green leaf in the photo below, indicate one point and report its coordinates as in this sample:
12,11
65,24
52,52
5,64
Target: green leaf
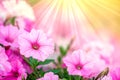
33,62
55,71
47,61
36,74
41,72
62,51
10,21
59,59
31,77
78,78
64,79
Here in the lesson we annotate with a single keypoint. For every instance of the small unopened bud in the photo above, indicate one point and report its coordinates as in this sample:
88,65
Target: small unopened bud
103,74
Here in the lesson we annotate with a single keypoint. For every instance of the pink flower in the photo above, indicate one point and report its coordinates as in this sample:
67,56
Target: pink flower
9,35
49,76
17,72
115,73
24,23
5,66
78,63
36,44
99,47
18,9
102,49
15,55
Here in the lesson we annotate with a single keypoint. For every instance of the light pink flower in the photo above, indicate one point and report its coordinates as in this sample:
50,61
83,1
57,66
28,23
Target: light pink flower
24,23
99,47
102,49
18,8
9,35
78,63
5,66
49,76
36,44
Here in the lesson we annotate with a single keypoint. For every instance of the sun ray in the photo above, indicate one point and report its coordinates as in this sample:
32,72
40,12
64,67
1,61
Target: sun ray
79,16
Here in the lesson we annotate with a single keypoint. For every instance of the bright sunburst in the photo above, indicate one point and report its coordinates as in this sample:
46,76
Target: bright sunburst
79,16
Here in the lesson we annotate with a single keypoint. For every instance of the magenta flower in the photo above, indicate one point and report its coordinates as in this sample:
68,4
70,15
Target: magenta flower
9,35
15,55
115,73
78,63
24,23
5,66
36,44
49,76
17,73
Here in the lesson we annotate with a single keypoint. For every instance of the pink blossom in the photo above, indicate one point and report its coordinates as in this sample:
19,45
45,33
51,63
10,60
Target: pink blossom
36,44
49,76
18,8
116,54
99,47
9,35
5,66
24,23
17,73
78,63
115,73
102,49
15,55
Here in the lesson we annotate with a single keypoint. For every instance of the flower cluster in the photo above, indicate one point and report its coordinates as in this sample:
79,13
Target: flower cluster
25,52
17,44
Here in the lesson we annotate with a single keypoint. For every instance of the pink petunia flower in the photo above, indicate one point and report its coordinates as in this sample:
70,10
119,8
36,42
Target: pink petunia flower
24,23
5,66
17,73
99,47
103,50
9,35
36,44
78,63
18,9
15,55
49,76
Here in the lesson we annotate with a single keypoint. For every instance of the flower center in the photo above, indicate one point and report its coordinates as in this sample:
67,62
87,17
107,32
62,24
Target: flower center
35,46
78,67
16,74
8,40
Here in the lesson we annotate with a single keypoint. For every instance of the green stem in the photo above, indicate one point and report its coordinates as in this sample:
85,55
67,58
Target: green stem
70,78
27,61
